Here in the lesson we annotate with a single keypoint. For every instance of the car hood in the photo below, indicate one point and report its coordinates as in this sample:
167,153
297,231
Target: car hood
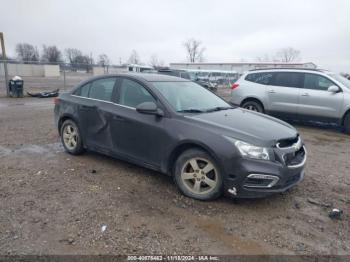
245,125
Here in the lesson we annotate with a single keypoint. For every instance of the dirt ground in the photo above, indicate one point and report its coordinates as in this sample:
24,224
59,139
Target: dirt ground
55,203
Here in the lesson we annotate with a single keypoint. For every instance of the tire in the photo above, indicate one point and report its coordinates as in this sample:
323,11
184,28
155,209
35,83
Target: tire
347,123
197,175
253,106
71,138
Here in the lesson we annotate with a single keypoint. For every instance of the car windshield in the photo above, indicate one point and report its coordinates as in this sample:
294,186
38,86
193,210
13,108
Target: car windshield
341,79
190,97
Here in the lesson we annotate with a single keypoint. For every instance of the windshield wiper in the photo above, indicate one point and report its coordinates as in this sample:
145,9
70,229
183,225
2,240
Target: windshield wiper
191,110
218,108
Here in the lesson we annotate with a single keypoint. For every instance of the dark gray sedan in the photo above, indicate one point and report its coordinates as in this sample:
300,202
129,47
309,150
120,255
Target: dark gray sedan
179,128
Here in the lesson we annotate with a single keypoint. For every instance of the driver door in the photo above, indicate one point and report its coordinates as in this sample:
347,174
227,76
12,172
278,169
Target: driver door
139,137
316,102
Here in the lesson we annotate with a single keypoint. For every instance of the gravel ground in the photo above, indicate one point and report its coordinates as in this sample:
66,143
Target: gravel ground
55,203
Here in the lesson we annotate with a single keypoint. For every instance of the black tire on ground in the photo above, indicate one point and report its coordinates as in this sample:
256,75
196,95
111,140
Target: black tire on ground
253,105
185,185
347,123
77,148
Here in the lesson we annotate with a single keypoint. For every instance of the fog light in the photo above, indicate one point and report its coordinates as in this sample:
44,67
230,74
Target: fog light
261,181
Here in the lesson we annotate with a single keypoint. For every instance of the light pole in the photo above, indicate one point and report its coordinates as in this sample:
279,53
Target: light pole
2,42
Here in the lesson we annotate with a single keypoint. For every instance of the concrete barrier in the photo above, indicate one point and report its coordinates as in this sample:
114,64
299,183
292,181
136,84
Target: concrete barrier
31,70
97,70
51,70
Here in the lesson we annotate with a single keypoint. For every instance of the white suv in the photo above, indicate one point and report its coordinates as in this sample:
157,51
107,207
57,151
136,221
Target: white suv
304,94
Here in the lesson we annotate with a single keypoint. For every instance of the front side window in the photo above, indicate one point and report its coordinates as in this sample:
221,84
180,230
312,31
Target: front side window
184,96
317,82
287,79
259,78
132,94
102,89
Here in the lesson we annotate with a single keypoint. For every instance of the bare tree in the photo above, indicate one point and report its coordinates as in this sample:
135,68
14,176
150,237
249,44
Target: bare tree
27,52
288,55
51,54
103,60
77,60
194,50
72,54
265,58
134,58
155,62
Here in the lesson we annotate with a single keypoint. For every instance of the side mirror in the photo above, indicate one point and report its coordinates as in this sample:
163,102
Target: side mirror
333,89
149,108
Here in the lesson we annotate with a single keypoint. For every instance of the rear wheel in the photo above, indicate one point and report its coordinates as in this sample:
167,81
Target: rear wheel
71,138
347,123
197,175
253,106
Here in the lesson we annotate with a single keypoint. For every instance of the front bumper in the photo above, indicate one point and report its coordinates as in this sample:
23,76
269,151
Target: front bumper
238,174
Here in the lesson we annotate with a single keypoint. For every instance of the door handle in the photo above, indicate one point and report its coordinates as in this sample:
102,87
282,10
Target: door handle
272,91
118,118
88,107
305,94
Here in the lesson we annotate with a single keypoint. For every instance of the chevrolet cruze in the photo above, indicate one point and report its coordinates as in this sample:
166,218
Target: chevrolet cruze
177,127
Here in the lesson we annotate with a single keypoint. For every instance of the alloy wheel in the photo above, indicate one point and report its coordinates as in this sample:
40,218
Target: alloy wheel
199,175
70,137
252,108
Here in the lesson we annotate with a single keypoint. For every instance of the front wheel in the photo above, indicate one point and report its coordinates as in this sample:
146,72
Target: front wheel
198,176
71,138
253,106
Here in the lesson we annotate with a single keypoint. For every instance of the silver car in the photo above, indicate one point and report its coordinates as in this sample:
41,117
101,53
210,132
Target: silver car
303,94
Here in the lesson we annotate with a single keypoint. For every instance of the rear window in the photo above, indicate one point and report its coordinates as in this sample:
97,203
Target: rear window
102,89
259,78
83,90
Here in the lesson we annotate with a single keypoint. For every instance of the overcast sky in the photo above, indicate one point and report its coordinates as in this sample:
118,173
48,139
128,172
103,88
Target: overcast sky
230,30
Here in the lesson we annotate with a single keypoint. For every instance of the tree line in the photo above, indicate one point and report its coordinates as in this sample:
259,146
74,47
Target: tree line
194,49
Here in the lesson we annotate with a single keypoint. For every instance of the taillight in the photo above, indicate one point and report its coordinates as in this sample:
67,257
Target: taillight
56,100
234,86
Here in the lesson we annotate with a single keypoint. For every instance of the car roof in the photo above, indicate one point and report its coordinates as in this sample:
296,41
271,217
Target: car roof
149,77
288,69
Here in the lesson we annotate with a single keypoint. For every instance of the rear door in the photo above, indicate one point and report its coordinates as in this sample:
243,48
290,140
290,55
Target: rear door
316,102
95,111
283,94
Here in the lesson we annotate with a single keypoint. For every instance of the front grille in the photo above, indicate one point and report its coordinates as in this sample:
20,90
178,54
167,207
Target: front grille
287,142
294,158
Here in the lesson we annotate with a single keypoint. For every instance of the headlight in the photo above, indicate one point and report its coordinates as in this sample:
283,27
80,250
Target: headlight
251,151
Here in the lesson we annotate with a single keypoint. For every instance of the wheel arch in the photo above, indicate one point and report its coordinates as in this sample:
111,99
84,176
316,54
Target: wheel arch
64,118
182,147
251,98
343,118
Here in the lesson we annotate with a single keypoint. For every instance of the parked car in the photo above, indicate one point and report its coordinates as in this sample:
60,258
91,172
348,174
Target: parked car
175,126
212,86
214,77
304,94
174,72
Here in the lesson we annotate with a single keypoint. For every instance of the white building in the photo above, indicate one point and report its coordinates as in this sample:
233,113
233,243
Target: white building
239,67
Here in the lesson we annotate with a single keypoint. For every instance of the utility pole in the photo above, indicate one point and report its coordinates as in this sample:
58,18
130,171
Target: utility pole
2,42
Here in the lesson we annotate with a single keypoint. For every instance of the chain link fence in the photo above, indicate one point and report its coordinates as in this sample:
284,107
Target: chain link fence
39,76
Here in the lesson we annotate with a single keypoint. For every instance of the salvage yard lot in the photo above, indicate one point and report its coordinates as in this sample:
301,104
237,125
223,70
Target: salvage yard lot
55,203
